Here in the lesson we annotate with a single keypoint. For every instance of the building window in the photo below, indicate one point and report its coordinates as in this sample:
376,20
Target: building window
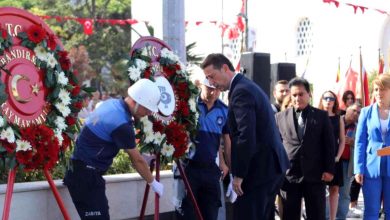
304,37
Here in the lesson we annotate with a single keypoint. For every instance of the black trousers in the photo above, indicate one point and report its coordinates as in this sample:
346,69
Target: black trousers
88,191
314,195
258,202
204,182
355,190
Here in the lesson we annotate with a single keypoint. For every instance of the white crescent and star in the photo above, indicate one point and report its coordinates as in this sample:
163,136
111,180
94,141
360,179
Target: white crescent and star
15,93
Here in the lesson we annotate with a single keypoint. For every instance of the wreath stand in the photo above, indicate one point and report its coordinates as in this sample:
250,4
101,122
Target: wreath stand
156,163
10,189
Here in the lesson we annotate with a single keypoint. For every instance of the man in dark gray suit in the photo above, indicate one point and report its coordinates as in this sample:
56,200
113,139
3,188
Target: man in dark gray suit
309,142
259,161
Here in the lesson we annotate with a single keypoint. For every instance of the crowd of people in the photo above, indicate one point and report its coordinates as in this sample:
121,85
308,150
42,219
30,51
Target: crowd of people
287,159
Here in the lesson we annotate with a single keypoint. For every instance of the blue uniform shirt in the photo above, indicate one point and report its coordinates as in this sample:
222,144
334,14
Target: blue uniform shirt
107,130
212,125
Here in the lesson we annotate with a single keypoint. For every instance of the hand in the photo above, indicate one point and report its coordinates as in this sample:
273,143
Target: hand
327,177
224,169
157,187
230,194
237,186
349,141
336,159
359,178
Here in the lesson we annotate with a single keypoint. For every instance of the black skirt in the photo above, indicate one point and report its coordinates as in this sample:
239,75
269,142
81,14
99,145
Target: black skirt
338,179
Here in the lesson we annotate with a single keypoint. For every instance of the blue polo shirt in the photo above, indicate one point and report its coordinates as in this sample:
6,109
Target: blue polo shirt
212,124
108,129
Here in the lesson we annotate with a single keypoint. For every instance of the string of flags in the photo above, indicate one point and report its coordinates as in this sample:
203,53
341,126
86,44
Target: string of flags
88,24
356,7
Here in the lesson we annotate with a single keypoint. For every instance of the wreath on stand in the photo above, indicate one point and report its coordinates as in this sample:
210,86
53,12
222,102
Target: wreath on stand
40,145
168,137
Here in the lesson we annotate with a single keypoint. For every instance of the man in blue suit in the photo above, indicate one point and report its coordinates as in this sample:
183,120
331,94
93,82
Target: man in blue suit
259,161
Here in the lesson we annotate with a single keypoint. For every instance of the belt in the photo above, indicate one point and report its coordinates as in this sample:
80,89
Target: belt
82,165
201,165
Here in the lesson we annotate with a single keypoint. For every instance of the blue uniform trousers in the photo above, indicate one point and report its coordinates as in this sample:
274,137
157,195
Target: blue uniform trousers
204,180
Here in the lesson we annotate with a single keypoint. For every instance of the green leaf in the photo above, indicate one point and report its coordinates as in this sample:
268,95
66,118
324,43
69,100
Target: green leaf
22,35
49,80
88,89
2,149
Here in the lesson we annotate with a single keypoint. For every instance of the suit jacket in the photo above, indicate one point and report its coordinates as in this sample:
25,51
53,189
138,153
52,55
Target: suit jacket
314,153
368,140
257,153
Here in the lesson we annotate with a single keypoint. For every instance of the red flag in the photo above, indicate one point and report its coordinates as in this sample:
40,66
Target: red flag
348,83
362,91
381,63
88,26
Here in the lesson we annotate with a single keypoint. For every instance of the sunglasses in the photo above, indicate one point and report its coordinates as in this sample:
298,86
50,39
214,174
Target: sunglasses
329,99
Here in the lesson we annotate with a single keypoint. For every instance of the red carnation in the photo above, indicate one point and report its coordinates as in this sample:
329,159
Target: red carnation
24,157
36,34
66,142
63,53
169,71
10,147
147,73
51,42
65,63
70,120
183,108
158,126
4,34
78,105
75,90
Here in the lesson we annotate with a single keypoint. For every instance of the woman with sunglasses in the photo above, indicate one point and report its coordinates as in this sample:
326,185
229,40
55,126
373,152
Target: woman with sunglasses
330,104
372,133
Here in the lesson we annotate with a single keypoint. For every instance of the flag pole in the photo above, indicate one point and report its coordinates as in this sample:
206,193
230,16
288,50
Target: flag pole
361,77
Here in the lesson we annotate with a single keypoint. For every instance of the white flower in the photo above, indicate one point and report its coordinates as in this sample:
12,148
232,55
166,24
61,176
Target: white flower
141,64
158,138
58,134
196,116
64,96
23,145
165,53
192,104
134,73
51,60
167,150
65,110
149,137
40,52
2,122
147,125
8,134
60,123
62,79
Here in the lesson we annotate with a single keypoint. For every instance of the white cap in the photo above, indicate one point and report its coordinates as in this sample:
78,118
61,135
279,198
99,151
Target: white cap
145,93
207,83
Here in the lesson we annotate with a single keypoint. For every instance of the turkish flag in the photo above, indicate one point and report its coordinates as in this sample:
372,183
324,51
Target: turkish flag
349,83
88,26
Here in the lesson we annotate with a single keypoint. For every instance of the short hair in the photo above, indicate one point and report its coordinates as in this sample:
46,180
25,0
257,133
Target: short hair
382,81
217,60
298,81
335,108
346,94
357,104
282,82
